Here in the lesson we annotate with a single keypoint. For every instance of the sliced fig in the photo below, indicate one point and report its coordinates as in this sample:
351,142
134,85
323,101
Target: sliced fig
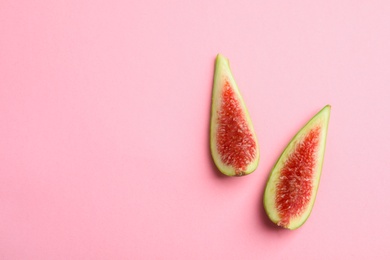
233,142
293,182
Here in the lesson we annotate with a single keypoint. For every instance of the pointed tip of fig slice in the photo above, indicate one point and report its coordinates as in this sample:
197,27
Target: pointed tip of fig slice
233,141
292,185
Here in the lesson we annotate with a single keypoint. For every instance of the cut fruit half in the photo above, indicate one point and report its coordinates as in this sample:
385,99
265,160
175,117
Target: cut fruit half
233,142
293,182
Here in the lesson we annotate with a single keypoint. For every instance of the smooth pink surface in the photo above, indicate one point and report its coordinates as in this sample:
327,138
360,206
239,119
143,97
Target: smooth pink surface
104,115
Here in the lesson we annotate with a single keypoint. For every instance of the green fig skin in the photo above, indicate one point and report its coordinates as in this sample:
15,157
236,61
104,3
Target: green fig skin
321,121
223,74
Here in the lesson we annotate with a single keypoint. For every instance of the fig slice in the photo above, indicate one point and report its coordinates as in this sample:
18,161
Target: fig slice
293,182
233,142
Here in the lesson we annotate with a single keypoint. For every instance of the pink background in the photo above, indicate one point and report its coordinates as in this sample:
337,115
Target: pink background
104,115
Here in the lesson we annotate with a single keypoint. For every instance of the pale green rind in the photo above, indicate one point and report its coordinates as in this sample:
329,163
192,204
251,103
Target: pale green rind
223,72
320,119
